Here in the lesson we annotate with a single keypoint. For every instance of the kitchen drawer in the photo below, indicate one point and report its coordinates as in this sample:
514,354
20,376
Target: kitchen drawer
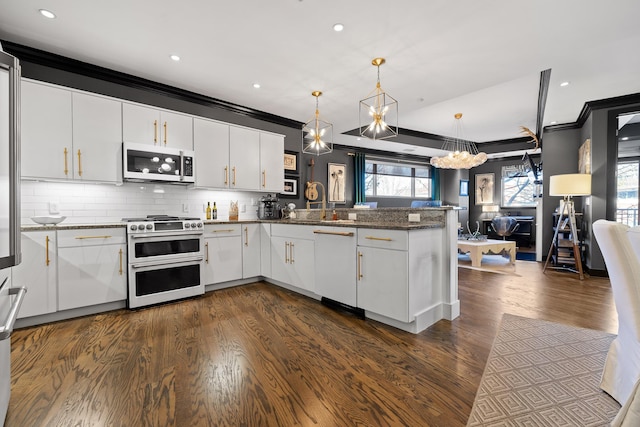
222,230
293,231
91,237
385,239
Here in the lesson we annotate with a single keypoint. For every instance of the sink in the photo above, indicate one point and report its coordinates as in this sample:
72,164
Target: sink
48,219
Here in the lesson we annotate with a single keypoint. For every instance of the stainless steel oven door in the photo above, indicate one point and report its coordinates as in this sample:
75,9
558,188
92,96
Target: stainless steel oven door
164,247
154,283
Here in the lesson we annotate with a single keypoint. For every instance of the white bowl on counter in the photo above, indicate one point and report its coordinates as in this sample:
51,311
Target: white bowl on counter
48,219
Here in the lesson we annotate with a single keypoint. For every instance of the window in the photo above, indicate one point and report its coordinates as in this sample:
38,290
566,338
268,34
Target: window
518,187
627,183
385,178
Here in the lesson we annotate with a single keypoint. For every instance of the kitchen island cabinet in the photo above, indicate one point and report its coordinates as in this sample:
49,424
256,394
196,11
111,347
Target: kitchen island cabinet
92,267
38,272
293,255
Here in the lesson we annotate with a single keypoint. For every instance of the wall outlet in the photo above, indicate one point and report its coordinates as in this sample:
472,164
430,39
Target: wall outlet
414,217
54,208
254,202
185,207
353,216
243,208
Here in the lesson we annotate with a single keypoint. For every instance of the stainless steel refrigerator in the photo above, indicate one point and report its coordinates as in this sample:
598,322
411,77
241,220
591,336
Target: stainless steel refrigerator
11,296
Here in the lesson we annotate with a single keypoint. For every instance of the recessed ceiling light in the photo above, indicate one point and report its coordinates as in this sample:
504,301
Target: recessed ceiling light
256,85
563,84
626,138
47,13
553,122
338,27
175,58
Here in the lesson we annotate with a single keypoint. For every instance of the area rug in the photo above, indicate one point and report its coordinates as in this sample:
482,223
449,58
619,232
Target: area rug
541,373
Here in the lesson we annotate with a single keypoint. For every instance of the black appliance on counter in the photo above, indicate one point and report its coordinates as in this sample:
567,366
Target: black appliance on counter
269,208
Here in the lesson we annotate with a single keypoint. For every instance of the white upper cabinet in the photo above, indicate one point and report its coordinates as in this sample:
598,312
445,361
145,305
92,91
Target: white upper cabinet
211,143
148,125
244,158
271,162
46,132
97,130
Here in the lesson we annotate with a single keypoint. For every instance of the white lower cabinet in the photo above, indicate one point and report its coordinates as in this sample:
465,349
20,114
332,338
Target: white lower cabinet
292,255
92,267
335,268
251,260
38,273
222,253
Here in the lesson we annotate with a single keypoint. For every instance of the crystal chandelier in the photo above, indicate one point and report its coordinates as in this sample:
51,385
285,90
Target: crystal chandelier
317,134
378,111
462,154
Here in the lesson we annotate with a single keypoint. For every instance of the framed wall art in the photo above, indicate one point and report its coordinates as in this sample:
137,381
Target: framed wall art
485,183
336,176
291,162
290,187
464,187
584,157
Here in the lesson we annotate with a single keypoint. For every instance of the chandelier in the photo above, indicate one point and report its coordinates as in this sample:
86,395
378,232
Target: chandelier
462,154
378,111
317,134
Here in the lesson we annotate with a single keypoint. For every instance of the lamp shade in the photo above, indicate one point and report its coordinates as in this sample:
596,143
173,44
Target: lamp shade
572,184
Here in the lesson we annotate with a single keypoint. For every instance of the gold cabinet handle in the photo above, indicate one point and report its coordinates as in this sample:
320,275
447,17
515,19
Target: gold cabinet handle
46,260
120,254
360,276
226,230
246,236
226,175
155,132
264,178
334,233
165,133
286,252
79,163
206,252
92,237
385,239
233,169
291,252
66,166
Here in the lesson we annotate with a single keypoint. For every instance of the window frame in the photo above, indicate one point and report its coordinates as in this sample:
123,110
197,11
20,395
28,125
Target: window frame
523,171
398,163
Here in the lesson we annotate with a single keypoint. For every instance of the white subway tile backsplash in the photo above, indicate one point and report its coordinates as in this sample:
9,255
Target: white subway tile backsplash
102,203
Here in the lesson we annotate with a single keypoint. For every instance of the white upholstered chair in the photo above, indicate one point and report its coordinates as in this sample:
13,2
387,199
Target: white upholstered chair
622,367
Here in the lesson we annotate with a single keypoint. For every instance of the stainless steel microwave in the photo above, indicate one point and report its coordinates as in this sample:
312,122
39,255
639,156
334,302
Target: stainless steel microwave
148,163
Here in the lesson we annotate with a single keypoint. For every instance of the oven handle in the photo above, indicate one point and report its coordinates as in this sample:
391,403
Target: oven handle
184,261
145,236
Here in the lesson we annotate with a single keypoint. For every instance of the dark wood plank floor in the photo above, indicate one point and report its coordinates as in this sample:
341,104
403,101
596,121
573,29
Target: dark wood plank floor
259,355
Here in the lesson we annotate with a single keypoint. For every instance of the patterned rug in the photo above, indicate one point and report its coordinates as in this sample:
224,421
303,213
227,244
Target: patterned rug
541,373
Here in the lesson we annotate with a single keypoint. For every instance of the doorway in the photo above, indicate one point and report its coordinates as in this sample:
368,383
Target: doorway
628,169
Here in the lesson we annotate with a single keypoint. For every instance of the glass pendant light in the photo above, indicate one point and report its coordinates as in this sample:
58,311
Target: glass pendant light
378,111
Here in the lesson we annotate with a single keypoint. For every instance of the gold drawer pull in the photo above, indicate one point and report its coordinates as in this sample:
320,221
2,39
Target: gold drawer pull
206,252
66,165
334,233
386,239
360,276
155,132
93,237
246,236
120,253
226,175
47,261
165,133
226,230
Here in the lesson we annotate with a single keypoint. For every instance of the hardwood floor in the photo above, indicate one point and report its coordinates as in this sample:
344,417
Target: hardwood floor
259,355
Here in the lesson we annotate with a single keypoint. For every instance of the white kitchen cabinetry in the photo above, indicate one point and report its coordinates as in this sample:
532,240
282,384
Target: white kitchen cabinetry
97,133
46,132
292,255
399,273
70,135
211,142
148,125
251,256
271,162
265,250
222,253
244,158
38,272
335,267
92,267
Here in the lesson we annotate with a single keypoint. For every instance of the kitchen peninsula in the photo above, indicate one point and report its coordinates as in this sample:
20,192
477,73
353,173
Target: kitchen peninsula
399,272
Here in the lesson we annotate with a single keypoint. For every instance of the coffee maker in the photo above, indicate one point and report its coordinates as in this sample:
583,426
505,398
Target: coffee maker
269,208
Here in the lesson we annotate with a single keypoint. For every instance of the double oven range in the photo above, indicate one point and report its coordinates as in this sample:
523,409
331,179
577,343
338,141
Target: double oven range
165,259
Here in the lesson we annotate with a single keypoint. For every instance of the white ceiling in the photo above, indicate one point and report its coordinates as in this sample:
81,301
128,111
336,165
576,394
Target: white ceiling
481,58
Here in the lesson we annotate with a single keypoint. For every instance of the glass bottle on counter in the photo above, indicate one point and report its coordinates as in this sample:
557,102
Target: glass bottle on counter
215,211
208,211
